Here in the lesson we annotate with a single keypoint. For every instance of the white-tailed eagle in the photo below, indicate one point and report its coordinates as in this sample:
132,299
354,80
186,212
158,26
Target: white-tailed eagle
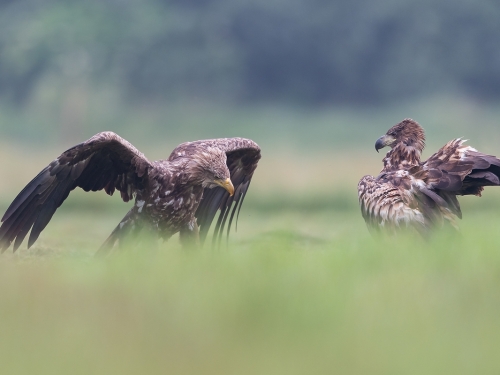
180,194
422,194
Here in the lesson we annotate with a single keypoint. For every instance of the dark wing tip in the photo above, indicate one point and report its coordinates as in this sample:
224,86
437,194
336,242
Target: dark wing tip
242,158
105,161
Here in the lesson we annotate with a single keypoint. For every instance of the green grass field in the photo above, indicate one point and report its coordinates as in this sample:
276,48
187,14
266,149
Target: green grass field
294,293
300,288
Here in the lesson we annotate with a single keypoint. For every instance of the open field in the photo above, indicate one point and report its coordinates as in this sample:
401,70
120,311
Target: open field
293,293
300,288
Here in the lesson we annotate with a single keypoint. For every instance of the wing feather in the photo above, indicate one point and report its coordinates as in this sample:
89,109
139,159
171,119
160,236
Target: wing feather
105,161
461,169
242,158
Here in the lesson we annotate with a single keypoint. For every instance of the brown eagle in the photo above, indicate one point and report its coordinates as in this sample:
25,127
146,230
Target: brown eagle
422,194
180,194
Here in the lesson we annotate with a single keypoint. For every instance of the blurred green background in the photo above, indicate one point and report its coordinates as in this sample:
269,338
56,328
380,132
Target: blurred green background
301,287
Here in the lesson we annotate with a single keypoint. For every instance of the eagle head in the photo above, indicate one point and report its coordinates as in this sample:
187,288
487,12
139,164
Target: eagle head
408,132
211,169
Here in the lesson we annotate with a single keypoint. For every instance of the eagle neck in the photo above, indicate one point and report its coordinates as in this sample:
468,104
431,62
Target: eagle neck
402,156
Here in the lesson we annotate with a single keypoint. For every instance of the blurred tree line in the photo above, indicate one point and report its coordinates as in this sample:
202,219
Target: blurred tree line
306,51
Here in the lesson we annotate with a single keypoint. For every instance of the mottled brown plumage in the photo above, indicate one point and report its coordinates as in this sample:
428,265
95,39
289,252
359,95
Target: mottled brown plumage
180,194
422,195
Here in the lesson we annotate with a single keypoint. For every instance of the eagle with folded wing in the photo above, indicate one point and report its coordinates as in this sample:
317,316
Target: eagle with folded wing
409,193
180,194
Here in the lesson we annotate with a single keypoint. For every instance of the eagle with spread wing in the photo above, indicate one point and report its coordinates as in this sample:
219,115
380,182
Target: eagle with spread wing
409,193
180,194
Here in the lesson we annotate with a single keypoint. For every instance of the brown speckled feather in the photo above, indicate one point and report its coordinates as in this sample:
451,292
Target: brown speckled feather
167,192
242,158
422,195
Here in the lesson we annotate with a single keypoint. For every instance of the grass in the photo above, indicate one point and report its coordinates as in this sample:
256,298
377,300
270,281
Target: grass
293,293
301,288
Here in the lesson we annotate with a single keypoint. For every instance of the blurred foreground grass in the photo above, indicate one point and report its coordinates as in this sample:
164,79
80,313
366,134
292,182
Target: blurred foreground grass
293,293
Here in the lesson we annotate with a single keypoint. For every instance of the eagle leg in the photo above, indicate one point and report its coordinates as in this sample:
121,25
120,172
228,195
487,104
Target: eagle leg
130,226
189,235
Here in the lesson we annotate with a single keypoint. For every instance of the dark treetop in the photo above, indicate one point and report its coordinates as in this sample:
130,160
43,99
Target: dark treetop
422,195
180,194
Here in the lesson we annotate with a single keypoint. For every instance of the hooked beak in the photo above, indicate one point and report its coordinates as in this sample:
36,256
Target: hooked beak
226,184
385,140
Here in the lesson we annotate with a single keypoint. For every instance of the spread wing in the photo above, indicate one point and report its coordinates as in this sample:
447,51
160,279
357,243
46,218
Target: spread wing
106,161
457,169
242,158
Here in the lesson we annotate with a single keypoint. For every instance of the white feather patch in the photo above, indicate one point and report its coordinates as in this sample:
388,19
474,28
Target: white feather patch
140,205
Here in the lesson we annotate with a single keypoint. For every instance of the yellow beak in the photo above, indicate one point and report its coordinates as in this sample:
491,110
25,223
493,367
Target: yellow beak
226,184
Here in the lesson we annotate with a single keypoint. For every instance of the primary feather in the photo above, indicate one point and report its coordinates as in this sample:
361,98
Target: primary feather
178,194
